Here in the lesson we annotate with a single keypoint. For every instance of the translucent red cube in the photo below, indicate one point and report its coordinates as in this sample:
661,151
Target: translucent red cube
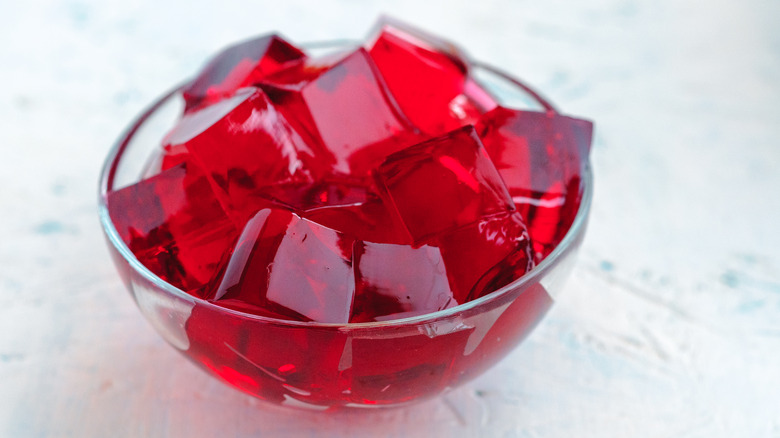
399,281
428,77
444,183
238,66
541,157
290,266
343,105
175,226
471,251
245,146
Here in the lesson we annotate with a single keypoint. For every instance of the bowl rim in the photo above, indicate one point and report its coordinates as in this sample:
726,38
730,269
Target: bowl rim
109,170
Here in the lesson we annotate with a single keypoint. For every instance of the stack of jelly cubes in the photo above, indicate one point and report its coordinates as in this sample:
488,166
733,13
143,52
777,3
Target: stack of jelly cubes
371,184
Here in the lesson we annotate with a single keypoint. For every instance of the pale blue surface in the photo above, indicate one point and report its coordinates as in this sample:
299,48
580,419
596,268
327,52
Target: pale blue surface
671,323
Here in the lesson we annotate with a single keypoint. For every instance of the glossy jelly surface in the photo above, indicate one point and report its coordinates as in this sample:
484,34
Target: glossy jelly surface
306,202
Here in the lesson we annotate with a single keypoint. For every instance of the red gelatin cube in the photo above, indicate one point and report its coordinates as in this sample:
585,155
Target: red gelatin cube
239,66
442,184
541,157
290,266
245,144
398,281
427,77
535,151
174,225
370,221
419,37
342,102
469,252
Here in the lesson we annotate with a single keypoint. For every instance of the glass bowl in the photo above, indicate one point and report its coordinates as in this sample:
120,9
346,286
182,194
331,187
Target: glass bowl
319,365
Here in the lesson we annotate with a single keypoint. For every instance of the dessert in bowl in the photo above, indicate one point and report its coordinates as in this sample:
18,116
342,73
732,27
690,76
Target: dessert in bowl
369,226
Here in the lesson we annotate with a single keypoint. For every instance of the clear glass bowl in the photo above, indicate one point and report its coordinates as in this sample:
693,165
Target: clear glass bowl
318,365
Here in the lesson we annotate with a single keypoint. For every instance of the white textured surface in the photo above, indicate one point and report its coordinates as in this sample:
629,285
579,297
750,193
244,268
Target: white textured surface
670,326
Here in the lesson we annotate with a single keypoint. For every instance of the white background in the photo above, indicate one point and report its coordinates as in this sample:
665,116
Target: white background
670,324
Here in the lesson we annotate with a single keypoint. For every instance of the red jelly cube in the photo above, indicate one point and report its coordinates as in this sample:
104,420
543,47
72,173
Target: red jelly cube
292,267
174,225
398,281
541,157
442,184
238,66
244,144
419,37
428,78
342,102
469,252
